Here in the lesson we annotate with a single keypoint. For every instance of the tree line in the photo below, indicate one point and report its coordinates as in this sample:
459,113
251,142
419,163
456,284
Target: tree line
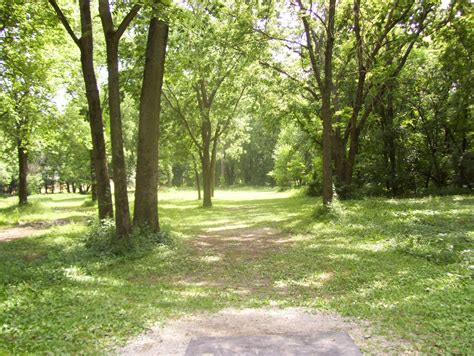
343,97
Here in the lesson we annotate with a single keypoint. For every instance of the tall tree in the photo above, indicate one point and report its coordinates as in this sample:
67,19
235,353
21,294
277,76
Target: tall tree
85,45
112,38
24,78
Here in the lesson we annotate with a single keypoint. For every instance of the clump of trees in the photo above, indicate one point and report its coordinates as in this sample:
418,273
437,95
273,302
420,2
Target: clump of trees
368,97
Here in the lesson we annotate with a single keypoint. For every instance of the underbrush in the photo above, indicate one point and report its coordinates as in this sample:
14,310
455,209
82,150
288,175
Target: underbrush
101,240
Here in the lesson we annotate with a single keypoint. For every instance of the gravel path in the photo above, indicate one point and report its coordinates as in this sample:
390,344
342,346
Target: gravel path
173,337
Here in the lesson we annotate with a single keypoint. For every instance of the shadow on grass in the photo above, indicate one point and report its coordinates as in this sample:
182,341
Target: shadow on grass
52,286
355,263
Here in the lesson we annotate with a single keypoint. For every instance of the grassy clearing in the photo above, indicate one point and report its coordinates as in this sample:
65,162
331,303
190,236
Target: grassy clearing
404,264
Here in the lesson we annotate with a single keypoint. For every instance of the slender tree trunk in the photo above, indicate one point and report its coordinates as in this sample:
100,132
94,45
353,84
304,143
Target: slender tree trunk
389,141
104,196
23,174
93,181
198,183
339,158
146,192
223,165
122,212
213,167
326,107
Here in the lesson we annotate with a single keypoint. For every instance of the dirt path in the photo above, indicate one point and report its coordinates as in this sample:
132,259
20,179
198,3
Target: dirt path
29,229
231,246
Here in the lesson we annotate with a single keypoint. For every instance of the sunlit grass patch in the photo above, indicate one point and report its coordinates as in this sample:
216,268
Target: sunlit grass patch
68,207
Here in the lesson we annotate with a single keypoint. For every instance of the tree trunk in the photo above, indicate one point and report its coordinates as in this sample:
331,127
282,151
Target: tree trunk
93,181
213,167
198,183
122,212
222,175
104,195
387,115
23,174
326,107
206,175
146,192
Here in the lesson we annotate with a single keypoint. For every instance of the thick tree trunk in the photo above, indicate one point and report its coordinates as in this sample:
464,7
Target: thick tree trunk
23,174
123,223
146,192
95,113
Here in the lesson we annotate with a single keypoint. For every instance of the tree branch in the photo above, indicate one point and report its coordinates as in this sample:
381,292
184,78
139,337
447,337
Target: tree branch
309,40
288,75
126,20
65,22
176,108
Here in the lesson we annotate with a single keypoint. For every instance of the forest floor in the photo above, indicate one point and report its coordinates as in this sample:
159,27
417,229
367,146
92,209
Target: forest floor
384,270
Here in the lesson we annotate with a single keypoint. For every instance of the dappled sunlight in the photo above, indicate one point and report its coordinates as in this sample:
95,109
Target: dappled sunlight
209,259
369,262
316,280
228,227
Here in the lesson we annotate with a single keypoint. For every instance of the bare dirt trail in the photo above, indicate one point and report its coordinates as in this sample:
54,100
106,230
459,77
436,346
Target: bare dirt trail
23,230
246,245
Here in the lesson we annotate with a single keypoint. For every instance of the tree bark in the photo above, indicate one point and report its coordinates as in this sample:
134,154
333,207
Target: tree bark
146,192
23,174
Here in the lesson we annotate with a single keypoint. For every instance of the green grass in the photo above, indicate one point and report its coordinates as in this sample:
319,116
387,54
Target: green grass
72,207
402,264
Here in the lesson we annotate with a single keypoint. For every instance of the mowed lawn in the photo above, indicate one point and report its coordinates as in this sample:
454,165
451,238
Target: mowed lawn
403,264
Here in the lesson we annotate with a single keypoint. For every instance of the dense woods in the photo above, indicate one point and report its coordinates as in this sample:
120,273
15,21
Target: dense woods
341,97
